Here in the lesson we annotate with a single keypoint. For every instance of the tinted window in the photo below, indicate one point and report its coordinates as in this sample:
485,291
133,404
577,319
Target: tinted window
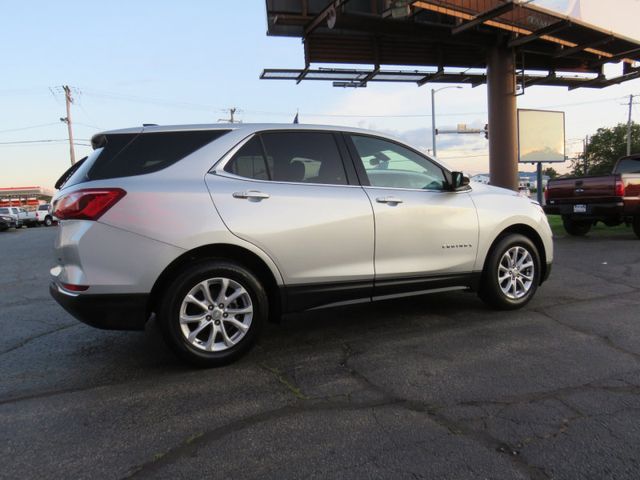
628,165
124,155
43,207
308,157
4,210
388,164
249,161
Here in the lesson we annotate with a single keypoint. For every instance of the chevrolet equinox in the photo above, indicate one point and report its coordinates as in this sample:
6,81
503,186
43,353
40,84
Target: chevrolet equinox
215,229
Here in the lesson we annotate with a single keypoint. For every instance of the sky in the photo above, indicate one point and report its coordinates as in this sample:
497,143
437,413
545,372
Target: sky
184,62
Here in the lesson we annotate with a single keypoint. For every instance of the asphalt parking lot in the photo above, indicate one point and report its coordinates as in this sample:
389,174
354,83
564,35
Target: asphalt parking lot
430,387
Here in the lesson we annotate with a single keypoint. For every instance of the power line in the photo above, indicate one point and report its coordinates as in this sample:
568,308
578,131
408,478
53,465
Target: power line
18,142
19,129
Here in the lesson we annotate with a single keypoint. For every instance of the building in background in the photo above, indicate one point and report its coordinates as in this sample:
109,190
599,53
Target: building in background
24,196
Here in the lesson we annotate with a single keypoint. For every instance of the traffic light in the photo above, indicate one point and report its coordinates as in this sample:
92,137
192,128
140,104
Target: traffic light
486,131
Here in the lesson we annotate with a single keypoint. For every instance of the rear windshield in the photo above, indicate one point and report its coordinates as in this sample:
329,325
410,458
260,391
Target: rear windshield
125,154
43,207
628,165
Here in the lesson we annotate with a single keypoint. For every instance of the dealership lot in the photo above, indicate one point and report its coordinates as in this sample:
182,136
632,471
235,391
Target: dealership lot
426,387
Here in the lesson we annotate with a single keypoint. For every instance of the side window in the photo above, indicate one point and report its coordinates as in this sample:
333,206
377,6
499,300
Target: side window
388,164
125,155
249,161
306,157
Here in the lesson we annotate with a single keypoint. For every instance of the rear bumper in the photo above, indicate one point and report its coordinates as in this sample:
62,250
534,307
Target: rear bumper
109,312
594,211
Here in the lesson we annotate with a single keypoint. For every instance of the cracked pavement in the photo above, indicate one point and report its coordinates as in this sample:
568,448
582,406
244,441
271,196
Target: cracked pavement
425,387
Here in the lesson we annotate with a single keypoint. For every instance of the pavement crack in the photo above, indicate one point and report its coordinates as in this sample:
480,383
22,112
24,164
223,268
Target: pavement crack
288,384
605,339
195,441
40,335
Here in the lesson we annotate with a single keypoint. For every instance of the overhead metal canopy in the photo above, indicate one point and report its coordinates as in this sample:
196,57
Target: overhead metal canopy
503,43
550,48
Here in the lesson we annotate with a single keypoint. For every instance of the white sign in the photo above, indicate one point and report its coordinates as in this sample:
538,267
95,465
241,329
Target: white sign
618,16
540,136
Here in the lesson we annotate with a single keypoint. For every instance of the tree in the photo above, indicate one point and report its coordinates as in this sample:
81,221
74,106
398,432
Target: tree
550,172
605,148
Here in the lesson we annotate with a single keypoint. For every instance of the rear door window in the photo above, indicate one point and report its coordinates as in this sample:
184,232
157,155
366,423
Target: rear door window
306,157
301,157
249,161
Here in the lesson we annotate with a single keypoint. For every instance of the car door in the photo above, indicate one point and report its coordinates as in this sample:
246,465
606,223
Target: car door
289,193
426,235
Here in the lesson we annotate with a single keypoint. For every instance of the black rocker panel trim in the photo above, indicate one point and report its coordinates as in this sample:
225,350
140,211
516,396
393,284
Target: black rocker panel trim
296,298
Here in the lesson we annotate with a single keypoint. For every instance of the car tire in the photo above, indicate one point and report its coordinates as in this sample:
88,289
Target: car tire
504,268
576,228
636,225
48,222
203,330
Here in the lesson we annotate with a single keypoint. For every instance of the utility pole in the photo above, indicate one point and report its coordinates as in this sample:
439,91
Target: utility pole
69,100
433,122
629,125
434,131
584,154
231,119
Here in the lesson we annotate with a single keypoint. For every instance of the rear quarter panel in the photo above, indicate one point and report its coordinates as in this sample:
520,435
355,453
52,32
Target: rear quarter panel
173,206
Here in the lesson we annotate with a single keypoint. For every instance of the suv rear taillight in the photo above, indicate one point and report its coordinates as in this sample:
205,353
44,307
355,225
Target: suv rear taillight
619,187
546,195
87,204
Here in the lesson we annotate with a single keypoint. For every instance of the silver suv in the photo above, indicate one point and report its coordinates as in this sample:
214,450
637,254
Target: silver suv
216,229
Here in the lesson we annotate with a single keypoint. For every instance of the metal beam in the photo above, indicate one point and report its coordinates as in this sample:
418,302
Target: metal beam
373,73
483,17
331,9
541,80
621,78
616,58
431,78
565,52
594,83
548,30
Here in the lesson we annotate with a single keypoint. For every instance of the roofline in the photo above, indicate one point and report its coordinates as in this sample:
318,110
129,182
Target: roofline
248,127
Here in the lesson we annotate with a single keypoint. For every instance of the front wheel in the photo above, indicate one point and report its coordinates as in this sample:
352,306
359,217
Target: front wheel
211,314
576,228
511,274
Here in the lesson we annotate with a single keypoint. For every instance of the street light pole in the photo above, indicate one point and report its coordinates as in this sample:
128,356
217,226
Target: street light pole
433,115
433,122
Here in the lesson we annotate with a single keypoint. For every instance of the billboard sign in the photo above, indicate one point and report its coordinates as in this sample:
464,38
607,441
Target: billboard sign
541,136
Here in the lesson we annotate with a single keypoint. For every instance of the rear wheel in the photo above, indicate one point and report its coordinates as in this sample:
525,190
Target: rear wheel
511,274
636,225
576,228
48,221
211,314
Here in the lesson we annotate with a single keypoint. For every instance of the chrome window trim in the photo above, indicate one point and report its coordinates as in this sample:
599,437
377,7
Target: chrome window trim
366,187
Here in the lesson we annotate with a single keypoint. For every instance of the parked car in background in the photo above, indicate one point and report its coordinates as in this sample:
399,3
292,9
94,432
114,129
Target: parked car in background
14,213
7,221
27,217
611,199
44,216
216,229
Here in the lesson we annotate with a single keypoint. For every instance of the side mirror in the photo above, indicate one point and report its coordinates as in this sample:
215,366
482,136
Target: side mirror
459,181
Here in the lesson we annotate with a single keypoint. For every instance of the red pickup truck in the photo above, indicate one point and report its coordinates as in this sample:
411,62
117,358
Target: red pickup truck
610,199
